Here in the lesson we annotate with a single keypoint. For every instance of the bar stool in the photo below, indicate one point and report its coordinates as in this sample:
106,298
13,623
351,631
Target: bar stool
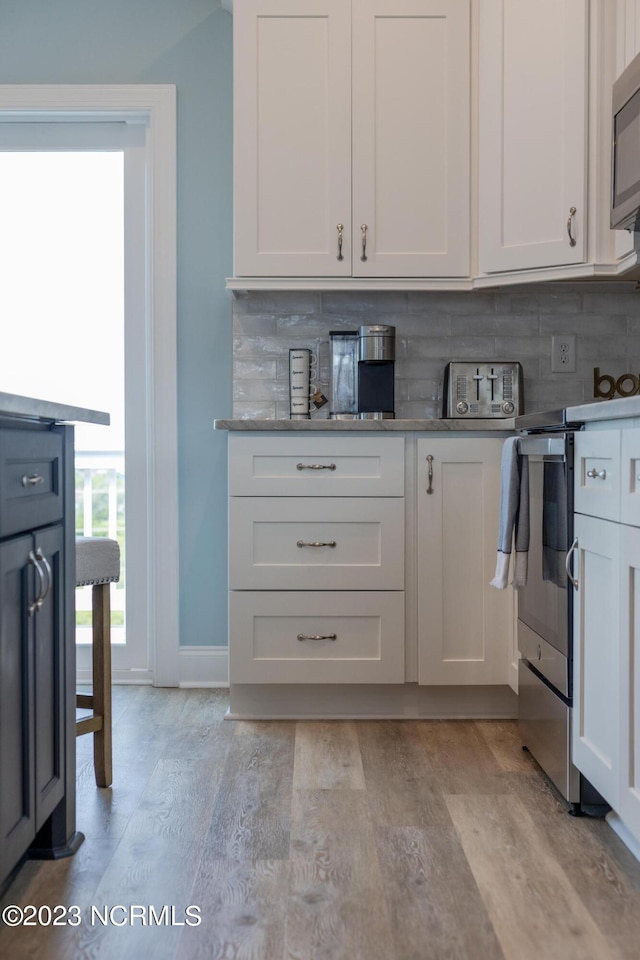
98,566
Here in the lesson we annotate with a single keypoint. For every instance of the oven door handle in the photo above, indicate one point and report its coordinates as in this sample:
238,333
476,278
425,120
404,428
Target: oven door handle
567,564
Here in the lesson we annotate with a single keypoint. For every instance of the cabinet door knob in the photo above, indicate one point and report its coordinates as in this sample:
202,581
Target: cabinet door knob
340,229
572,239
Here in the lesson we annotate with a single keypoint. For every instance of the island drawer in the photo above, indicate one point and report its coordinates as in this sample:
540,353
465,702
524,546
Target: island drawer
318,543
313,466
31,489
316,637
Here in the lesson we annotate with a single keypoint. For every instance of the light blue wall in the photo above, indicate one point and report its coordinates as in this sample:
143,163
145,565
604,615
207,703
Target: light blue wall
187,43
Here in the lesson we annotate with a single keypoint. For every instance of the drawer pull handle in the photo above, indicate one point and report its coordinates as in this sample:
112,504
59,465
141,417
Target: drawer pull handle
316,543
317,636
32,481
601,475
315,466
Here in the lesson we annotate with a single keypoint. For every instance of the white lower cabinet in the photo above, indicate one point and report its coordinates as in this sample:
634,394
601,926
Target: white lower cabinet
316,569
629,800
337,577
465,626
596,655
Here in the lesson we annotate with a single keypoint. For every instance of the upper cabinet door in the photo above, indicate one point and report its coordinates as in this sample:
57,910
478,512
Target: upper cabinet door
532,129
411,118
292,137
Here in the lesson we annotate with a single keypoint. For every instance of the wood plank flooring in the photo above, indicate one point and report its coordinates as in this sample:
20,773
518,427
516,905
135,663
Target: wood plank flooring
344,840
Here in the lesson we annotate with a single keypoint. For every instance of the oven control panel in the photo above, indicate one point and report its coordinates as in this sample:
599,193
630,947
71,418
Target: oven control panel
491,389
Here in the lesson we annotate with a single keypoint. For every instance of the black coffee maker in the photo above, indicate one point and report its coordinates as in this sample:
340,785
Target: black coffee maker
362,373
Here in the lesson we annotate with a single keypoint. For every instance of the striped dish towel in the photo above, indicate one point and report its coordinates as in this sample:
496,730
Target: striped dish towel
514,516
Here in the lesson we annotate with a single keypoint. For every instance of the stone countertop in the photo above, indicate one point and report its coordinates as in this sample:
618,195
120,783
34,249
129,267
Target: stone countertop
604,410
28,408
385,426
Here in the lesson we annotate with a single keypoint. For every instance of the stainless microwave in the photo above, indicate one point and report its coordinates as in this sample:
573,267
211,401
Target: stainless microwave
625,160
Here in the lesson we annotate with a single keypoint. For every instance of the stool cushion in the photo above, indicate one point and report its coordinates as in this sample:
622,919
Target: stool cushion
97,561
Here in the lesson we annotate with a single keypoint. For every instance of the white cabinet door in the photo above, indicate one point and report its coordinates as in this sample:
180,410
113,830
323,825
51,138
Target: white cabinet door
292,137
411,109
629,804
465,626
532,129
596,655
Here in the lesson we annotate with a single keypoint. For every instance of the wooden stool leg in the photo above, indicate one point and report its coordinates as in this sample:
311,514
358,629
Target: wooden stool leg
101,605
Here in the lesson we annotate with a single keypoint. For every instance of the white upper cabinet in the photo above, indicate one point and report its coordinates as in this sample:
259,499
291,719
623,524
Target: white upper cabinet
532,133
296,63
292,137
411,120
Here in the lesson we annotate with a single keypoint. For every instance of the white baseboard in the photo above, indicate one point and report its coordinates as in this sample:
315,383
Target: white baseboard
204,667
622,830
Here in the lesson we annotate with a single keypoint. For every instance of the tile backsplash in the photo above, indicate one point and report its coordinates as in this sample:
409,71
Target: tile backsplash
512,323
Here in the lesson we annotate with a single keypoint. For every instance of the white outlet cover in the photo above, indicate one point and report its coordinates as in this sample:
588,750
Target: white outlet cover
563,353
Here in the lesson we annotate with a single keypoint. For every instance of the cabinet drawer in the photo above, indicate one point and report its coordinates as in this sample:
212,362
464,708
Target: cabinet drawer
630,477
305,466
316,637
316,543
597,474
30,480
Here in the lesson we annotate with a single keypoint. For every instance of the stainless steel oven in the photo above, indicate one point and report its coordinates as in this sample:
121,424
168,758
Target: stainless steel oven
545,611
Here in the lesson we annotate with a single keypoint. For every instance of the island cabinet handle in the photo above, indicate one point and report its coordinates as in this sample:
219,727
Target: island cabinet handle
315,466
40,556
340,229
37,603
317,636
32,481
601,474
316,543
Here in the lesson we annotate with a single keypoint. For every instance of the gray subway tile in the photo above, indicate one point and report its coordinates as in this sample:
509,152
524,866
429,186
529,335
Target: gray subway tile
487,325
584,324
433,303
260,324
261,390
359,304
250,369
514,348
277,302
243,410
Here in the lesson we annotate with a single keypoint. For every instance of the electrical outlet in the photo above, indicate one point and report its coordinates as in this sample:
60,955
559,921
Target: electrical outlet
563,354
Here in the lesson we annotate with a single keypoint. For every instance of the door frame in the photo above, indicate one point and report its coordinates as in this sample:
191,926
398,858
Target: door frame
155,107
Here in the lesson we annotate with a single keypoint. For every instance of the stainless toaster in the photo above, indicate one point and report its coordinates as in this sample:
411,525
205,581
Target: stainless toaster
487,389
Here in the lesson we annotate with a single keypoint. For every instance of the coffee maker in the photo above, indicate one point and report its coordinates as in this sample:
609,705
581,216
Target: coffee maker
362,373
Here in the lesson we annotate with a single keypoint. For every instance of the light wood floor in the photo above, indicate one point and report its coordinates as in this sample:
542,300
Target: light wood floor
368,840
